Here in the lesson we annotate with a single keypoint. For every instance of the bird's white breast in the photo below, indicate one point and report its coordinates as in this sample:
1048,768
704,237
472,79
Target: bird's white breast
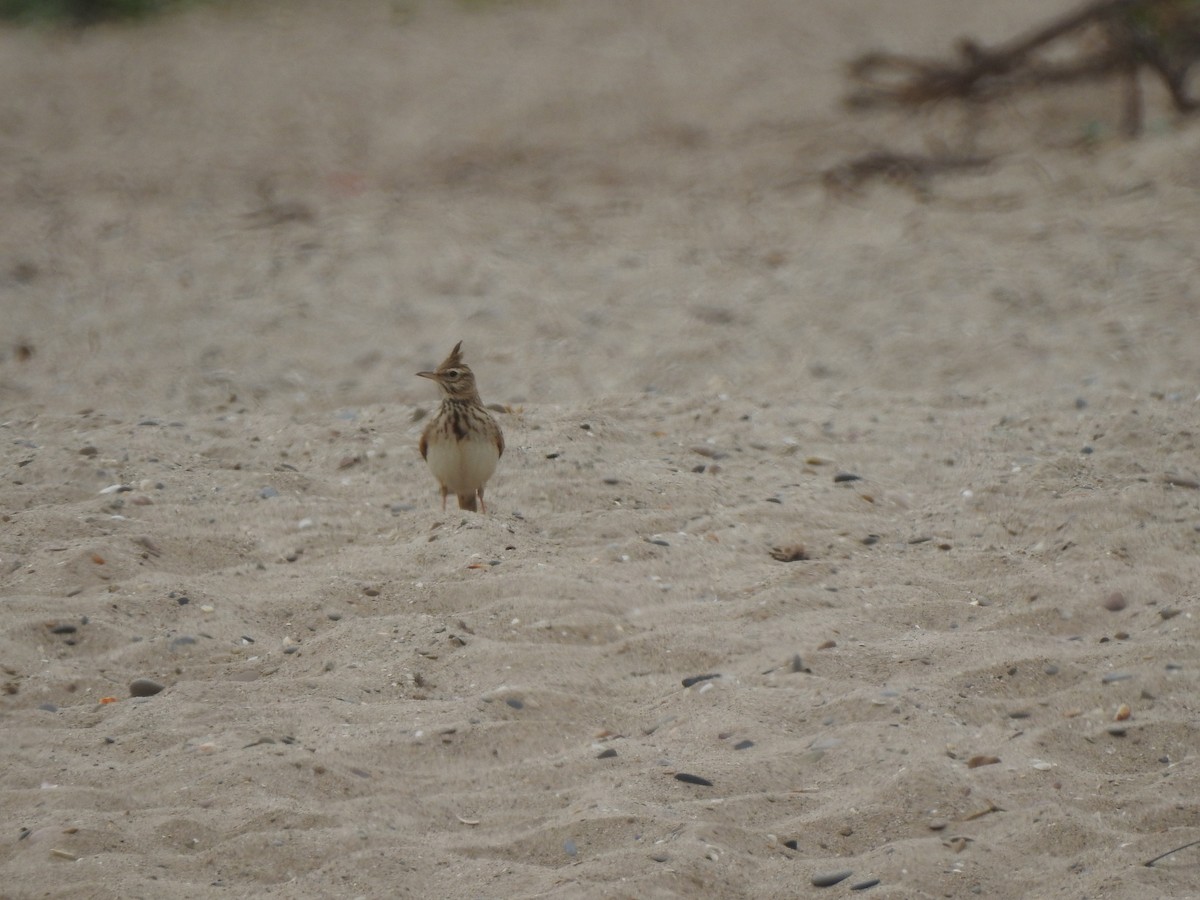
463,466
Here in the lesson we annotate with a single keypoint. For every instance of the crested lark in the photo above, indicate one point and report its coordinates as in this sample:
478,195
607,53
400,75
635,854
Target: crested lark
463,443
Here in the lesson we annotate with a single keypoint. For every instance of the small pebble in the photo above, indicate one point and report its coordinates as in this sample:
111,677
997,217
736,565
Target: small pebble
607,753
692,779
1123,713
144,687
569,847
976,761
1117,730
268,492
659,857
843,478
63,629
1165,614
48,707
743,745
790,553
1051,670
1115,676
1115,602
514,703
696,679
863,885
831,879
792,844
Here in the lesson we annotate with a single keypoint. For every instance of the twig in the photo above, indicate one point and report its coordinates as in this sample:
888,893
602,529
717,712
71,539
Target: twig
1169,852
914,170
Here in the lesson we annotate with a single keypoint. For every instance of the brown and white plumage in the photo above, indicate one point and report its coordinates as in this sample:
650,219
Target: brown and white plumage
463,443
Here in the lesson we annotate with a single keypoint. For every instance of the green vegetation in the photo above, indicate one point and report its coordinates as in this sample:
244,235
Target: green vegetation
82,12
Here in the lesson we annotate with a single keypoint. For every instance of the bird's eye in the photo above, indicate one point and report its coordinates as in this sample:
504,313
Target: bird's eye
453,374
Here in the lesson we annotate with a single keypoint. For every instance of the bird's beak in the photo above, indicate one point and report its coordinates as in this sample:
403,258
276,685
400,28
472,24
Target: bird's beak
433,375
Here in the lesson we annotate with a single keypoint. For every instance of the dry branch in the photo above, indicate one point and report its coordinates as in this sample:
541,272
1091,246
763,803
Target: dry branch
1109,38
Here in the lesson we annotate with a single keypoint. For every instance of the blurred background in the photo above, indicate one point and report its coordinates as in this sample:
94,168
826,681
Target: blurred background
303,203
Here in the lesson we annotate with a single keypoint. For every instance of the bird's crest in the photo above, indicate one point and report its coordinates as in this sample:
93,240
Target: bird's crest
454,359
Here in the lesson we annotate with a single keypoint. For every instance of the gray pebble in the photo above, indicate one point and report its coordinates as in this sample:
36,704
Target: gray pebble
268,492
1110,677
569,847
863,885
144,687
607,753
743,745
48,707
1115,602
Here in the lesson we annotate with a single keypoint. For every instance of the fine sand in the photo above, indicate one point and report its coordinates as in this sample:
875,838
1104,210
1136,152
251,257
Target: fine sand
230,238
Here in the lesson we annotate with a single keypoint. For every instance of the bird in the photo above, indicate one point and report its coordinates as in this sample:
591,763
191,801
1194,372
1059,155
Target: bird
463,443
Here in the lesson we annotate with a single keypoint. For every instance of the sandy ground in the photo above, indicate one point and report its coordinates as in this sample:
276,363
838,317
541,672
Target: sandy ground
230,238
